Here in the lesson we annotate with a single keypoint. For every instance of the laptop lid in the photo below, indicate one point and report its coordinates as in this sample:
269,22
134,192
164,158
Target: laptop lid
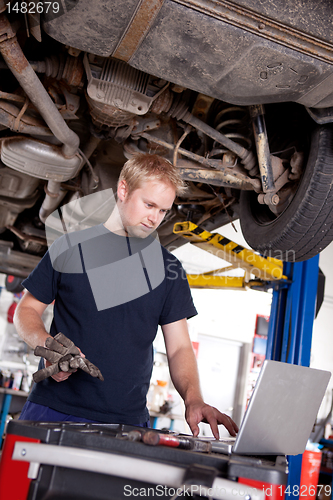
282,410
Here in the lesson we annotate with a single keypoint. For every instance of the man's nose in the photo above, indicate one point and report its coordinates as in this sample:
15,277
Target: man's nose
154,215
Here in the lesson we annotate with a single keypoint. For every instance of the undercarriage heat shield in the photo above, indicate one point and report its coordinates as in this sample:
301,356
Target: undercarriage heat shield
39,159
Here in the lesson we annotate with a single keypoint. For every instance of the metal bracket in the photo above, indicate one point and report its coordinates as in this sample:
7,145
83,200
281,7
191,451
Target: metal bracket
267,270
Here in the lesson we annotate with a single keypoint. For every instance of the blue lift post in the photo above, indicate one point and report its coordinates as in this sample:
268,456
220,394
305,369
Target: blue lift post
7,398
290,332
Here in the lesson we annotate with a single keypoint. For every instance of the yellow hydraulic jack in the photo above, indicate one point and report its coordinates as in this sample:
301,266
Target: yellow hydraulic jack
265,269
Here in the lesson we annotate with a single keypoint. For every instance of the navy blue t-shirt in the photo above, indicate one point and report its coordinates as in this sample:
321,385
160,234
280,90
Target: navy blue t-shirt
111,293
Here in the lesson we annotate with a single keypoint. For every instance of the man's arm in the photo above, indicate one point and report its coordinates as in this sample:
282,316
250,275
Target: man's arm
28,320
185,377
29,325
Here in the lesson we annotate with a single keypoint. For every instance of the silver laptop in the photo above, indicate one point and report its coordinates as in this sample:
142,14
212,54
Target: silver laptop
281,412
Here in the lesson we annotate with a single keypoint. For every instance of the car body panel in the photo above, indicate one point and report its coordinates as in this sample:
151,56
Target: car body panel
221,49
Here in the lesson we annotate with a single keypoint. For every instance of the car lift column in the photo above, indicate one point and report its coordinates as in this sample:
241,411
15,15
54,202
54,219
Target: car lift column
290,330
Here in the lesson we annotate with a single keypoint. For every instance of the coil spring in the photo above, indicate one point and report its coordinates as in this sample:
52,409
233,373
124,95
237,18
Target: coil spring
230,122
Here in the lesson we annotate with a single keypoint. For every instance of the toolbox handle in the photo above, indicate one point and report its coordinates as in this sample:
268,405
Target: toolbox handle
127,467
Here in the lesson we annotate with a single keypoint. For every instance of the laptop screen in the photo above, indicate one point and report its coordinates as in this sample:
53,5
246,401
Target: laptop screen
282,410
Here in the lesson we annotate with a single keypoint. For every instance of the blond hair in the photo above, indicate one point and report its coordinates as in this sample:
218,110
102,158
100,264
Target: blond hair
145,166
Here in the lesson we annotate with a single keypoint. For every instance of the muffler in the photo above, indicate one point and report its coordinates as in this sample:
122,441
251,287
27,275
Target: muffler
39,159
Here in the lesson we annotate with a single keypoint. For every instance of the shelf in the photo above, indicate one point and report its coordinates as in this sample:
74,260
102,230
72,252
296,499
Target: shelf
13,392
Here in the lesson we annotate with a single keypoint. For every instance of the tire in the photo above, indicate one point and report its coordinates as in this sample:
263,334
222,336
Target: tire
305,227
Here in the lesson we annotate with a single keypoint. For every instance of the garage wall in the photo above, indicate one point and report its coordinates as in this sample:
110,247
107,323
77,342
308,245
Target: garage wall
229,314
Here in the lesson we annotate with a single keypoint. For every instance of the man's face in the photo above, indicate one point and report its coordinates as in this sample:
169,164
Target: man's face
143,210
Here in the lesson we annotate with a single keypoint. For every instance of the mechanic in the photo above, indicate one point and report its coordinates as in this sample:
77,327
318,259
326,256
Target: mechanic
112,285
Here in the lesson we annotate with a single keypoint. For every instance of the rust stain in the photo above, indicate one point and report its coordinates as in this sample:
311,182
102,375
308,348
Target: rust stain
202,106
73,71
12,54
137,29
10,48
162,103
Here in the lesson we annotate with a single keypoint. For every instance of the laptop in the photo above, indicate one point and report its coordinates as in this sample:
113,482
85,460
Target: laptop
281,412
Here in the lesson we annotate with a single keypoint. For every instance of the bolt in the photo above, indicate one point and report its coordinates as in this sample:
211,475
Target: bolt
261,199
275,199
229,160
23,452
261,26
268,199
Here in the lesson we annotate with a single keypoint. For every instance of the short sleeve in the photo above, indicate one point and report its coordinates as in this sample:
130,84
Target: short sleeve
178,303
42,281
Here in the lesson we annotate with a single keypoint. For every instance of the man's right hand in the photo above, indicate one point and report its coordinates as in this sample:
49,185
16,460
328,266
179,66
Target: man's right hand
60,376
63,356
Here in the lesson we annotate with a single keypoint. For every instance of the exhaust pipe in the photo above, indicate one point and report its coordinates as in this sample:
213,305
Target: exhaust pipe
38,159
32,86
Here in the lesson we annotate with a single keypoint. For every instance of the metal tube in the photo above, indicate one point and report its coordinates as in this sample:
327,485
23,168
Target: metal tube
53,196
89,148
264,157
8,120
86,153
225,179
53,193
33,87
246,156
26,237
224,176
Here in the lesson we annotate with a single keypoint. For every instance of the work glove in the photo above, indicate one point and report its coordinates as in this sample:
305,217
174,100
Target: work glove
64,356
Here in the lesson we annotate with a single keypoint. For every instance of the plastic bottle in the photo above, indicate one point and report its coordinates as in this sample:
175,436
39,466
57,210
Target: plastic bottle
159,395
17,380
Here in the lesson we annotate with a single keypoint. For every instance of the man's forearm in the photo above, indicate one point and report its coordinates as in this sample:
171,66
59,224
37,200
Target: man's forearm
28,321
30,327
184,374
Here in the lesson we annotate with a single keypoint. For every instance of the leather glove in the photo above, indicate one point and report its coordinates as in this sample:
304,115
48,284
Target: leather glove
64,356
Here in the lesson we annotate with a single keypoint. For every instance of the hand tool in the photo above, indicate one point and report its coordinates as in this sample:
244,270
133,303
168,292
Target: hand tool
186,443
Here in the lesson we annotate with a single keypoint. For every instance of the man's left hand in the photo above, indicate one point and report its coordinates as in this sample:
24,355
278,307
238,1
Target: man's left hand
199,411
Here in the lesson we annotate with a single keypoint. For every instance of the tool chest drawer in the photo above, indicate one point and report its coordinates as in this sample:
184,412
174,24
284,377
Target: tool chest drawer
80,461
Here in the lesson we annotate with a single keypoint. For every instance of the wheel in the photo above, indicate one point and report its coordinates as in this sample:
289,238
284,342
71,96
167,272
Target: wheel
305,226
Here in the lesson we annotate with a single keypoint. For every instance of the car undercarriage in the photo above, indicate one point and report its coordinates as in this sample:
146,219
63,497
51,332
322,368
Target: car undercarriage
237,96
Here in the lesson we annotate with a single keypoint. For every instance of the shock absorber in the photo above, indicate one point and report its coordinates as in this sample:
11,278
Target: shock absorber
264,158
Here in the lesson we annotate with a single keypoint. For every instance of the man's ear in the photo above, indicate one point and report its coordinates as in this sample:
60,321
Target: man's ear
122,190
